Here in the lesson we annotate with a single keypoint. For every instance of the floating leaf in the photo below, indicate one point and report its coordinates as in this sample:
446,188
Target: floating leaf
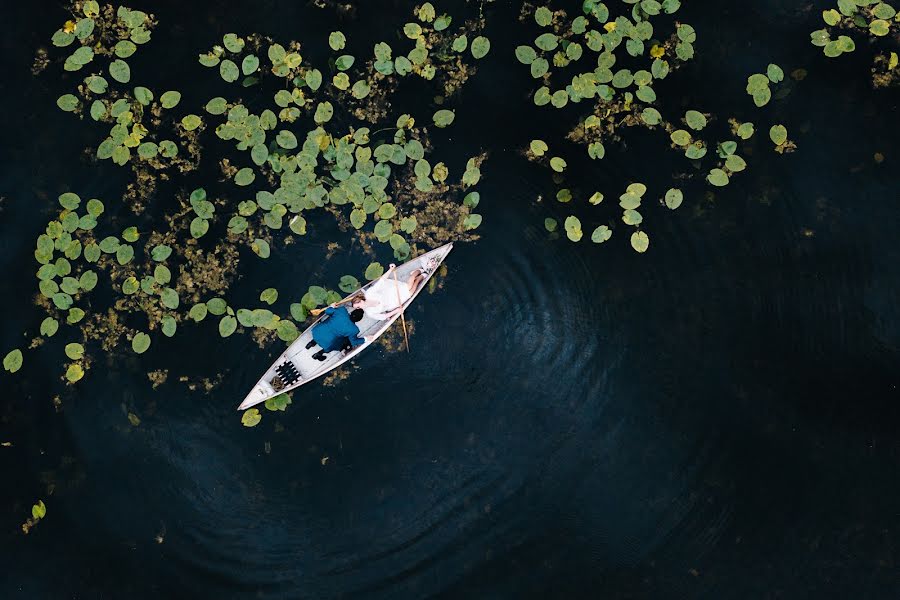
443,117
39,510
774,73
695,119
374,271
251,417
191,122
49,326
232,42
169,298
879,27
337,40
12,362
735,163
217,105
480,47
227,325
67,102
261,248
547,41
640,241
778,134
550,224
74,350
269,296
717,177
632,217
573,228
249,65
525,54
601,234
229,71
120,71
674,197
244,176
140,342
199,227
348,284
538,147
557,164
680,137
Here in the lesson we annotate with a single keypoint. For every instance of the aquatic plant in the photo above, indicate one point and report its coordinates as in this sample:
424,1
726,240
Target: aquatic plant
143,130
625,56
105,283
876,22
346,169
38,512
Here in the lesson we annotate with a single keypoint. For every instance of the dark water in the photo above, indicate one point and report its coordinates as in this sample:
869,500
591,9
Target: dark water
716,418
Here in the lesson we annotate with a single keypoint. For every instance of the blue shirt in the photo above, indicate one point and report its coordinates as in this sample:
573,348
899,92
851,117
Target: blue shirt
332,332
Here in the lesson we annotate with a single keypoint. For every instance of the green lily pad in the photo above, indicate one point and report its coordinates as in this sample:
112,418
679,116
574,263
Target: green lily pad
778,134
12,362
337,40
140,342
443,117
601,234
695,119
374,271
572,226
640,241
170,99
120,71
269,296
74,373
717,177
244,176
67,102
558,164
674,198
480,47
251,417
191,122
774,73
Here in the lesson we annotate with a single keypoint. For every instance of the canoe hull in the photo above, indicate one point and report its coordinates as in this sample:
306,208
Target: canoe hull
297,361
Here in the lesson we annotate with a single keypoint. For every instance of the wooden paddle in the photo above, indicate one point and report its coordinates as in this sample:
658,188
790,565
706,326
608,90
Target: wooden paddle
318,311
402,317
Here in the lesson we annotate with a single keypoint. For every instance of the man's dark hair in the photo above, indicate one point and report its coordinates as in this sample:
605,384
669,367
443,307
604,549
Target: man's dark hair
357,315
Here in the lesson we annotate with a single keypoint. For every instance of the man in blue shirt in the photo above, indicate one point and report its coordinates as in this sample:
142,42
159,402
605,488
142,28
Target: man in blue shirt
337,330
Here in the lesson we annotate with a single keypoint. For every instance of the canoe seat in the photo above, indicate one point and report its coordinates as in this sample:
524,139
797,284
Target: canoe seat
287,375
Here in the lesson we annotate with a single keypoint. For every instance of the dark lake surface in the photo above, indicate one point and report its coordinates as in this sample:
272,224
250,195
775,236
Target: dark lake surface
716,418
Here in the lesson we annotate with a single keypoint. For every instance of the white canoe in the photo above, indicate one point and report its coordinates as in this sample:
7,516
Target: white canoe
298,361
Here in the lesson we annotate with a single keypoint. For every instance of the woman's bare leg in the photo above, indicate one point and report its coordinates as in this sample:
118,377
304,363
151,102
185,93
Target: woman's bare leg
415,279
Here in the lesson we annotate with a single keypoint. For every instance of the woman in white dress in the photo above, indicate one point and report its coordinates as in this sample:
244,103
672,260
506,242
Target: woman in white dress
380,301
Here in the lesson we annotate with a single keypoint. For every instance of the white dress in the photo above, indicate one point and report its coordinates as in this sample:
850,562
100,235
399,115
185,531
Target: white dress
384,292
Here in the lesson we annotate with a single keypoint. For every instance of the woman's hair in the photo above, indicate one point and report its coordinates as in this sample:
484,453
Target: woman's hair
357,315
359,297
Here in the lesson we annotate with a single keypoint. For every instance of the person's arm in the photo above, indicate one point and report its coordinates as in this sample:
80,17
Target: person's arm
357,340
330,310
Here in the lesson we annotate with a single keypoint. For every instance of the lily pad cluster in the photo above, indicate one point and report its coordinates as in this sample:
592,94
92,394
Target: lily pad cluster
603,67
108,32
312,147
304,145
136,115
877,22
